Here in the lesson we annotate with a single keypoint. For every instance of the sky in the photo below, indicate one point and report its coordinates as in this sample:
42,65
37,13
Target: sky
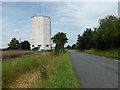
71,18
119,8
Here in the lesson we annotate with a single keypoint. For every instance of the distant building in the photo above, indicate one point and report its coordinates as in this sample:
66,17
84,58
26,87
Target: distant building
119,9
41,32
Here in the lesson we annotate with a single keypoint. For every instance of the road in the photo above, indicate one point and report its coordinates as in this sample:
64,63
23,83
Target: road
94,71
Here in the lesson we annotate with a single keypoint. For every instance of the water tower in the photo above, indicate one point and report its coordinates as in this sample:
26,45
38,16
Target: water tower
41,32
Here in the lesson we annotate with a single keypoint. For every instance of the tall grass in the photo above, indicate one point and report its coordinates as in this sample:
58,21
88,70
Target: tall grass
109,53
61,74
0,75
12,69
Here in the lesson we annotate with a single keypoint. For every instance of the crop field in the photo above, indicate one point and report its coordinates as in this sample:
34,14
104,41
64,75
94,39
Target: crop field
7,55
37,70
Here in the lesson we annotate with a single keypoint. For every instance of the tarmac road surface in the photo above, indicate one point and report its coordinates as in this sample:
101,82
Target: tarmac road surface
94,71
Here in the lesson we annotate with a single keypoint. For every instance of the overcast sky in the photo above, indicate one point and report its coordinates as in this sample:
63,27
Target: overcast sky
69,17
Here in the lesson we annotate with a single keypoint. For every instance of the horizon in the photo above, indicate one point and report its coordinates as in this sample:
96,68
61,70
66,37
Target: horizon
71,18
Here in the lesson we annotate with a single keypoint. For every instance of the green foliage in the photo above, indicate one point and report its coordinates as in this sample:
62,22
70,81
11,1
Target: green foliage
108,53
25,45
108,33
61,74
16,67
85,41
68,47
60,40
12,69
74,46
14,44
106,36
59,71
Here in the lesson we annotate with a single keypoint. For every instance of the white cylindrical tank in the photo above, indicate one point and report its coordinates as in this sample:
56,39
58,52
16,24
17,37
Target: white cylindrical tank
41,32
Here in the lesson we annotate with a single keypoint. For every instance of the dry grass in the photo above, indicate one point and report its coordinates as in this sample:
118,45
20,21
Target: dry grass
26,80
60,74
19,71
31,78
14,54
25,72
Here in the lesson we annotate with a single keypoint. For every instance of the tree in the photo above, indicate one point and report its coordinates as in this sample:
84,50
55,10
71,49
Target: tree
74,46
79,43
14,44
85,41
60,40
68,47
87,38
107,35
25,45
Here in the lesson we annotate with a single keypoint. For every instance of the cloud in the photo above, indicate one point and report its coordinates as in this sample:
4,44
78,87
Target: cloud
119,9
76,12
69,17
83,15
61,0
15,23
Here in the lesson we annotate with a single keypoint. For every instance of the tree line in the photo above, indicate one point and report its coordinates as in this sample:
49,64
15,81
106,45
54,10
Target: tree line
15,44
106,36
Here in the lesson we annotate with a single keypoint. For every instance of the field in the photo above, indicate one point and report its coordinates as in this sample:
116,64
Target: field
39,70
109,54
15,54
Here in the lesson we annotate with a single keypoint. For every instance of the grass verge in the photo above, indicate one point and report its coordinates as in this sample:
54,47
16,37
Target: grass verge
1,75
12,69
109,54
59,72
